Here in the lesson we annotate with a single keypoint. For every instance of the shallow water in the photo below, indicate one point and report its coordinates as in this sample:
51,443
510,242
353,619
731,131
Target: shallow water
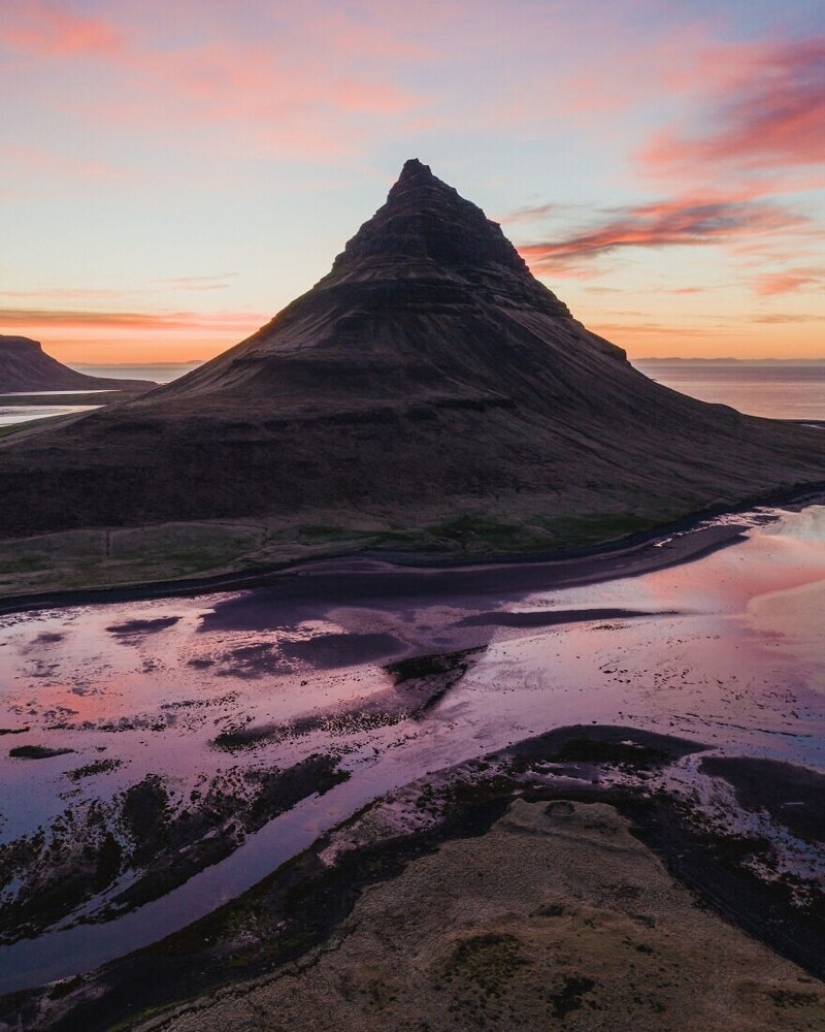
726,650
11,415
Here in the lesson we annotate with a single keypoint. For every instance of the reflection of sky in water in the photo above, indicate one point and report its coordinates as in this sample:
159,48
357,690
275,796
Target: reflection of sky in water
11,415
734,659
746,621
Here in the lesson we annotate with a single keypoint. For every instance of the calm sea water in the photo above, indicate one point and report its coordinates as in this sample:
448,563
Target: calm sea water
779,390
776,389
163,372
158,372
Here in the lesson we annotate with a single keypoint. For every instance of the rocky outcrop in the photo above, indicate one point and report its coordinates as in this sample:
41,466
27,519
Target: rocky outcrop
427,378
24,366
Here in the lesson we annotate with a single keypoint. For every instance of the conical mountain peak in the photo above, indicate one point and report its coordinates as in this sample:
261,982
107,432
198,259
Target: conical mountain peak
416,171
429,381
428,231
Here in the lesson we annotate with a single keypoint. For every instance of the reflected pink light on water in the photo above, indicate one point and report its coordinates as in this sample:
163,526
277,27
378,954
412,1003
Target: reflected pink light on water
725,651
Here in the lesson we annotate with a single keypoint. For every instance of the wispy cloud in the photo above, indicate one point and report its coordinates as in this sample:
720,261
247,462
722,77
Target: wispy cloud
66,319
531,214
27,160
113,295
764,110
680,222
778,318
790,280
221,281
304,83
48,29
64,294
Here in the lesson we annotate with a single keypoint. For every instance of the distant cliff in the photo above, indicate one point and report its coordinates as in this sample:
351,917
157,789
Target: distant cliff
24,366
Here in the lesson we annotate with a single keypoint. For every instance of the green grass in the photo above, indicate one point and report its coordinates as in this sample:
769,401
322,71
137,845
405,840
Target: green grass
85,558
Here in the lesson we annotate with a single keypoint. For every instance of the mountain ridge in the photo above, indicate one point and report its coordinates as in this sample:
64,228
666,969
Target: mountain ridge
25,367
428,378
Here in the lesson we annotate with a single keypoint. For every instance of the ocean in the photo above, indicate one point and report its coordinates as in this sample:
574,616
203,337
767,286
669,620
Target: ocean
158,372
774,388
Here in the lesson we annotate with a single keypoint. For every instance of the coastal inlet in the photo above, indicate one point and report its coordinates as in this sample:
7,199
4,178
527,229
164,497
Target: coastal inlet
160,757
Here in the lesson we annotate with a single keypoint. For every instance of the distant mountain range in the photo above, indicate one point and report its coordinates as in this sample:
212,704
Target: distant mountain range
731,361
25,367
429,380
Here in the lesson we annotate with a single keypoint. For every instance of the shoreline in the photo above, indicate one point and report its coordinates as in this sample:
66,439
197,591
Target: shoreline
634,555
608,563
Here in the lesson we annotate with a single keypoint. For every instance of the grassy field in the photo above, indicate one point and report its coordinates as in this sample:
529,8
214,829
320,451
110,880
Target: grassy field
76,559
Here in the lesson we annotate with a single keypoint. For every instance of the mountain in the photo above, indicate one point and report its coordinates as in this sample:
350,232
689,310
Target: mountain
25,367
428,381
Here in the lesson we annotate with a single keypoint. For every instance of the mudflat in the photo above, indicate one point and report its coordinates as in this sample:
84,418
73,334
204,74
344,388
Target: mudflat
589,686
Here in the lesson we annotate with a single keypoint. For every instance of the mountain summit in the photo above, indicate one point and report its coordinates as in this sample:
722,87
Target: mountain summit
427,230
428,390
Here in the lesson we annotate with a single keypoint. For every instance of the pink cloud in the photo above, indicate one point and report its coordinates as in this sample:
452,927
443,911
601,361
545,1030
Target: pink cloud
766,111
789,281
679,222
36,160
308,82
300,83
49,30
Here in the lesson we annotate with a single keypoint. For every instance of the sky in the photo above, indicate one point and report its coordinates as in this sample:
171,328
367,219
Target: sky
174,172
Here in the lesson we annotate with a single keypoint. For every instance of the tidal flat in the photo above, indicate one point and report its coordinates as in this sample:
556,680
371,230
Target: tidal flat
159,758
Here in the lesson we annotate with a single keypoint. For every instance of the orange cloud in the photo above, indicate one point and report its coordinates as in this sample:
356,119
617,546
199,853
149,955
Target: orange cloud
242,322
781,318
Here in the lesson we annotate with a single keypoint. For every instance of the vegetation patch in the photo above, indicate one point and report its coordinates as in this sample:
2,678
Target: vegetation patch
487,961
159,840
91,769
36,752
143,626
418,667
626,755
569,997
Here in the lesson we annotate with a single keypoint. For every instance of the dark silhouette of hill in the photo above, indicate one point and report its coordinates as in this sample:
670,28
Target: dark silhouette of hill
24,366
427,379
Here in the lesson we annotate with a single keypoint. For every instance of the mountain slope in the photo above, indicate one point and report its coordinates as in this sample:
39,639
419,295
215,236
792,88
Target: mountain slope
24,366
427,379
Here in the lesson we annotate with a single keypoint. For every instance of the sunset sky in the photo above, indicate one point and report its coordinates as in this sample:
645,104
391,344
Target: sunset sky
173,172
